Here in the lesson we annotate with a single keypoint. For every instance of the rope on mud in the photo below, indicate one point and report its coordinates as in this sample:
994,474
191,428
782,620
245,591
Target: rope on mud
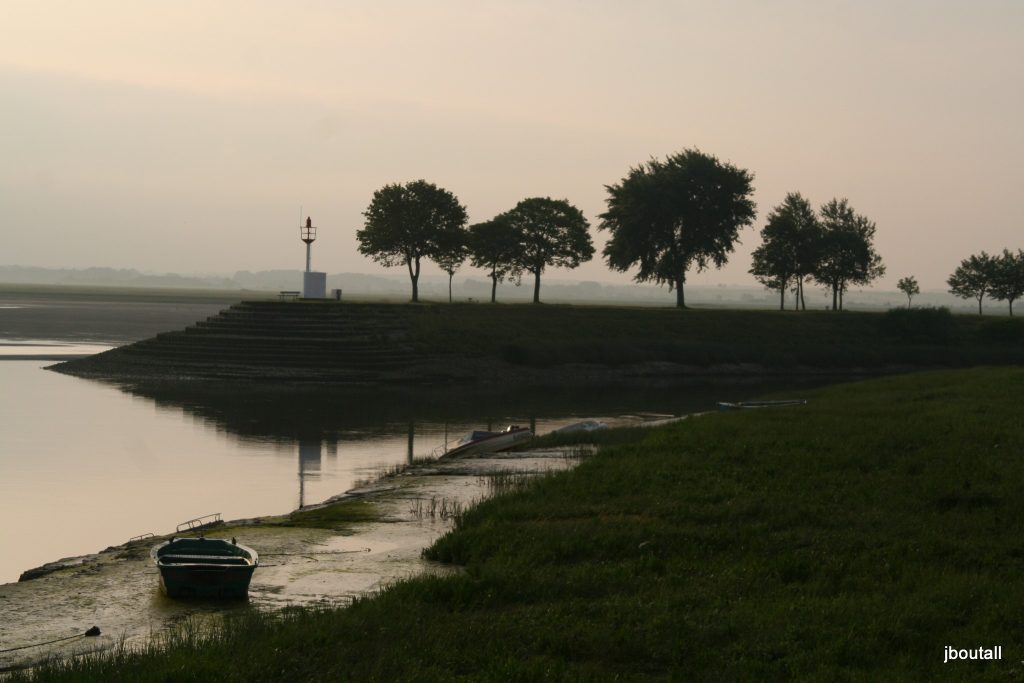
308,555
94,631
321,552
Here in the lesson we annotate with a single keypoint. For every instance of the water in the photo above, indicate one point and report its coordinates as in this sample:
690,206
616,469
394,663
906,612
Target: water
59,350
85,464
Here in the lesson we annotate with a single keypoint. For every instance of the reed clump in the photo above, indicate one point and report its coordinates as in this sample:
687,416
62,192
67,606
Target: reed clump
437,507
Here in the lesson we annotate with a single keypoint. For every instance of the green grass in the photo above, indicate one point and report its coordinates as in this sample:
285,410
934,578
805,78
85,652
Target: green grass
463,342
555,334
340,517
849,539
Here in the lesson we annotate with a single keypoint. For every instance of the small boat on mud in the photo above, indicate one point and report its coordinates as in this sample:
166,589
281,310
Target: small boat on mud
205,567
741,405
478,442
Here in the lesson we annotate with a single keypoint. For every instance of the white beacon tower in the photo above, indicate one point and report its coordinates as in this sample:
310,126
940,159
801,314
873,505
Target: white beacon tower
314,284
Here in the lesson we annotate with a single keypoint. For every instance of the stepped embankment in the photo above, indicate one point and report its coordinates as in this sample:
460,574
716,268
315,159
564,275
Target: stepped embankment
353,343
267,340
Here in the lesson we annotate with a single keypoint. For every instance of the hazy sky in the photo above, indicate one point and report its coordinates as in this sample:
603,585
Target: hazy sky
184,136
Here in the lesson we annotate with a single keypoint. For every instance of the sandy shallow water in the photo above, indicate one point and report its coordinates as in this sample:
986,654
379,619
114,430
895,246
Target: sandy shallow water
117,589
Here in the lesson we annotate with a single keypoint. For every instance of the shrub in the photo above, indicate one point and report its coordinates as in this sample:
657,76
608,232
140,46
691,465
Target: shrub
515,354
931,325
1008,331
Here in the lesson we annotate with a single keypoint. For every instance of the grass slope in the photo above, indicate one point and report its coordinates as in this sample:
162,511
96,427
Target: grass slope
551,335
849,539
326,341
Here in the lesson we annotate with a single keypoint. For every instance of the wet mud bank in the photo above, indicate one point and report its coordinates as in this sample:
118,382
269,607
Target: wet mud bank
303,561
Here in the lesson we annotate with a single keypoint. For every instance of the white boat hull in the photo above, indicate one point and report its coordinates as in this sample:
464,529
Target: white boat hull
492,444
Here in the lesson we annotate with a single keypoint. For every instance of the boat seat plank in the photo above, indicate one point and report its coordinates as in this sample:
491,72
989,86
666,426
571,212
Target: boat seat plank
208,558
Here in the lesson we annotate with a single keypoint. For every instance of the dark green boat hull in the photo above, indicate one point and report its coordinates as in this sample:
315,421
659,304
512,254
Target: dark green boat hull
205,568
207,582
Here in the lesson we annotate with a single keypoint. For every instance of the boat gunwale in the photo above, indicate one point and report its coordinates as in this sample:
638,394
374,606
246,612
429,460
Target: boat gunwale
248,555
494,435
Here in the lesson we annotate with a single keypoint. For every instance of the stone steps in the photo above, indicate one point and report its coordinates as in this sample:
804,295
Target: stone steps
275,340
242,342
273,359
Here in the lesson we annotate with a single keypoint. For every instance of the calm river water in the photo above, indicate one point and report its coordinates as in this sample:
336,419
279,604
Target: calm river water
85,464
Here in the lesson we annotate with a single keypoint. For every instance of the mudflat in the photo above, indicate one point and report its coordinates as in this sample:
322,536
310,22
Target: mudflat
110,315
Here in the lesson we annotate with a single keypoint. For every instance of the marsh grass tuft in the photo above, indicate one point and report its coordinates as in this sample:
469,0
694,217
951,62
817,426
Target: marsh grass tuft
437,507
506,481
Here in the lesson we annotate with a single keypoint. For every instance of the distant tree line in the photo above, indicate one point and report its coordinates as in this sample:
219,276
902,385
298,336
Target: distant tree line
999,277
665,219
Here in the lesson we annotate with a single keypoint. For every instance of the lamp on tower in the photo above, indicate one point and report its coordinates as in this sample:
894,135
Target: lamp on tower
308,232
314,285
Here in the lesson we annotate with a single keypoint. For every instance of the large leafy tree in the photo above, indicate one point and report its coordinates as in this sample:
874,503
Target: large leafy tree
666,217
788,250
847,253
408,223
1008,280
494,246
973,278
549,232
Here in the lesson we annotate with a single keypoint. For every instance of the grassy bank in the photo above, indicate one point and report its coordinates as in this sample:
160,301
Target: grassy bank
849,539
552,335
331,342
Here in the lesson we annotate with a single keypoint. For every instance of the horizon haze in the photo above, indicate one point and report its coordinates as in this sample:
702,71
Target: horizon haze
186,137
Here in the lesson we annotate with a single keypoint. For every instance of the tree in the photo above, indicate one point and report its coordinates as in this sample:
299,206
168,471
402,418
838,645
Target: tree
789,239
973,278
765,267
407,223
451,250
493,246
808,245
1008,277
847,254
667,216
549,232
908,285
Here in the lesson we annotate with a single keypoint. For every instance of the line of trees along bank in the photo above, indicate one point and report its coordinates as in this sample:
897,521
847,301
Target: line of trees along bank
665,218
834,247
999,277
408,223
